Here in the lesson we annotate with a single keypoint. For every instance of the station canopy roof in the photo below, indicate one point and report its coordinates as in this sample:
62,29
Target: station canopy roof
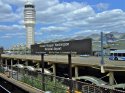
92,79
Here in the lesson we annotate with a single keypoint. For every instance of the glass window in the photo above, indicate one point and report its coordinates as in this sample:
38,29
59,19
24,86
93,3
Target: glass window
123,54
119,54
115,54
26,6
111,54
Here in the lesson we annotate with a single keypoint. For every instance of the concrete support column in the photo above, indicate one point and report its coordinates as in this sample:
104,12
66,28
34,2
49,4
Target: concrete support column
11,63
76,71
1,60
111,78
18,61
54,69
54,72
76,75
6,62
26,63
38,65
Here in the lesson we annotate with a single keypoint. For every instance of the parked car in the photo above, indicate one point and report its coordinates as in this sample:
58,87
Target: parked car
46,71
18,65
30,68
85,55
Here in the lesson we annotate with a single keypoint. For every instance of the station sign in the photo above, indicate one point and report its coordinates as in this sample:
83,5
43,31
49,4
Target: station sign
75,46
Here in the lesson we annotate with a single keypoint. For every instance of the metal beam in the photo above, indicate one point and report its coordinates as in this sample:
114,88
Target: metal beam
70,72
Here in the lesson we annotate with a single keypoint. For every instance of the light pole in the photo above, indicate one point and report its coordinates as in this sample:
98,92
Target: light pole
0,58
102,55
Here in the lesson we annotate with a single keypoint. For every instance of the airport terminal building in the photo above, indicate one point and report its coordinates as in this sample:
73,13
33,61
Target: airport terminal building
83,46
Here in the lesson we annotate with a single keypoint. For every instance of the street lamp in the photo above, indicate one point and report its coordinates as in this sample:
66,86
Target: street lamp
102,55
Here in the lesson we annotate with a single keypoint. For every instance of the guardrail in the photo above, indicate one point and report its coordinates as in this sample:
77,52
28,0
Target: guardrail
4,90
53,83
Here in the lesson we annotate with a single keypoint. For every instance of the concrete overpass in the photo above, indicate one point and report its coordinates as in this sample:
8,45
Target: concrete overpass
76,61
90,61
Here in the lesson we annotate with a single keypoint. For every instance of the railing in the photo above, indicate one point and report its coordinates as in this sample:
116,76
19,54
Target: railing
53,83
4,90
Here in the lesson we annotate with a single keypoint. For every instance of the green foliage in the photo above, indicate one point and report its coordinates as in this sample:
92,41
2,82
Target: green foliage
55,86
1,69
50,85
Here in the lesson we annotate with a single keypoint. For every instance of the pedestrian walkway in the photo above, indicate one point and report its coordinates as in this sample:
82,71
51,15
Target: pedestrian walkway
22,85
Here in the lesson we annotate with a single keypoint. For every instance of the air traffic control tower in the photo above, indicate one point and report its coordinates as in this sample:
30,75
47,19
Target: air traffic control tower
29,21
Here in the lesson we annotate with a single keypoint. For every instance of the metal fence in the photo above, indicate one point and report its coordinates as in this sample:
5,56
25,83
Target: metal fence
53,83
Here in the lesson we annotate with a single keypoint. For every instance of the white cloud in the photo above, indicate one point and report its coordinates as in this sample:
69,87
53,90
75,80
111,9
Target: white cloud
38,33
14,2
63,12
5,8
5,37
7,14
11,28
56,35
106,21
15,34
54,29
45,4
102,6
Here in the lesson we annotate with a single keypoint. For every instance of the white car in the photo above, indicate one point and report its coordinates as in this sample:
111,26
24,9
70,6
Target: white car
30,68
84,55
18,65
46,71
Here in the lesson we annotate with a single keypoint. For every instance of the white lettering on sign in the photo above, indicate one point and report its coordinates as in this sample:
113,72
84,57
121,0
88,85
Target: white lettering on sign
59,48
54,45
49,45
62,44
48,48
55,48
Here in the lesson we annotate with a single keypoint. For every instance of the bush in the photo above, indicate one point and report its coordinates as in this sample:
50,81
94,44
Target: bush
54,86
1,69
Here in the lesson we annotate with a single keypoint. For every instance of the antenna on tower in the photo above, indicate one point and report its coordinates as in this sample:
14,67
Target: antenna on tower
26,1
29,2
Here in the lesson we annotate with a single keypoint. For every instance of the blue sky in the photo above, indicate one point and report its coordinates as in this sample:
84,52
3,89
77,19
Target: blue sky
60,19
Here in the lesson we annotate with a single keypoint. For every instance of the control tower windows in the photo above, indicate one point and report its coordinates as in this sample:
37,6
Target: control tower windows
29,6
